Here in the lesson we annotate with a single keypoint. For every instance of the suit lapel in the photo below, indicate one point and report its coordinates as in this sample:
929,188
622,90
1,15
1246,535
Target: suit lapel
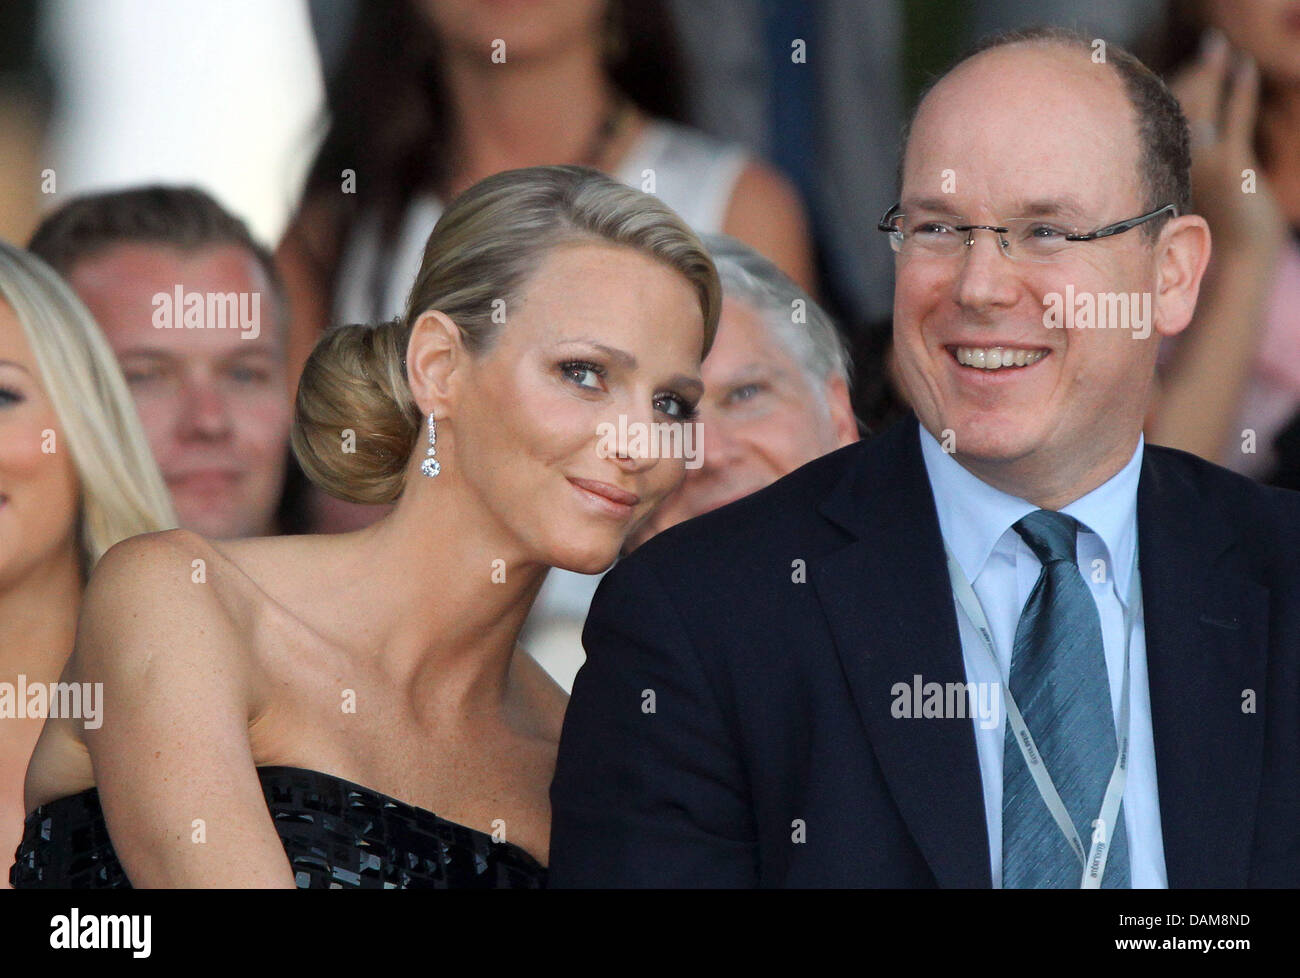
888,602
889,606
1206,644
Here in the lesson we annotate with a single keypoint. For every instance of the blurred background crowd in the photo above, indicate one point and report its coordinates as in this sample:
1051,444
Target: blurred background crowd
305,148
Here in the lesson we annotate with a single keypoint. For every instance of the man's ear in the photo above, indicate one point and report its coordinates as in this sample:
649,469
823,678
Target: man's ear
841,408
1182,254
434,353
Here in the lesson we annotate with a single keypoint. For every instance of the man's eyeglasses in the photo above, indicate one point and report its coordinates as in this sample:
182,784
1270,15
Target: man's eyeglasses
1021,239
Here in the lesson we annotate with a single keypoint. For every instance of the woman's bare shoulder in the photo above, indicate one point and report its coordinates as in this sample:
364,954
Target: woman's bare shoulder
140,570
238,575
153,638
268,555
146,549
152,593
766,213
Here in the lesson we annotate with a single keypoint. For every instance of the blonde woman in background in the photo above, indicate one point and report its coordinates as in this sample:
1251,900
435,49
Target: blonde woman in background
76,477
311,705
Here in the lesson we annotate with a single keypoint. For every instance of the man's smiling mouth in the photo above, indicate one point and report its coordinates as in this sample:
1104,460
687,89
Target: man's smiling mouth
997,357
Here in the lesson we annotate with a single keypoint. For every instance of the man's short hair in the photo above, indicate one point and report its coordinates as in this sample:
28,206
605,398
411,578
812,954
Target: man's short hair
1165,157
184,218
812,338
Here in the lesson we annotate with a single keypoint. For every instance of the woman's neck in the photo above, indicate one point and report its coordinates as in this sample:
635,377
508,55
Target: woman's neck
524,113
38,618
443,593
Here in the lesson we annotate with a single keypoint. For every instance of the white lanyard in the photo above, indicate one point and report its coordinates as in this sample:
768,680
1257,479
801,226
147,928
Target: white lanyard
1094,862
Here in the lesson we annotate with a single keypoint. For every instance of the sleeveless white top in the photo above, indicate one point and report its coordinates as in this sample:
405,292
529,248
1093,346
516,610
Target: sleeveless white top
691,172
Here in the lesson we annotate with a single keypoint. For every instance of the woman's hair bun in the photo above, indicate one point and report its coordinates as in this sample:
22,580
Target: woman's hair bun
355,423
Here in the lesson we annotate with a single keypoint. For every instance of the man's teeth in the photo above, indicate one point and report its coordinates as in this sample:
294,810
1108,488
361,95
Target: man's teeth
996,357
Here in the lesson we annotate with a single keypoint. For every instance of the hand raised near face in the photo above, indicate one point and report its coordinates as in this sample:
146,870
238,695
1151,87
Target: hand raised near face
1219,94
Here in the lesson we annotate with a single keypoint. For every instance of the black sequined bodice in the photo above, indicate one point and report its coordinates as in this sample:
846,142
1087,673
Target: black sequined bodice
337,835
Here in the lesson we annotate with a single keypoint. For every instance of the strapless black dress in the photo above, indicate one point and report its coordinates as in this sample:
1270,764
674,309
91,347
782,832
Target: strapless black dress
337,835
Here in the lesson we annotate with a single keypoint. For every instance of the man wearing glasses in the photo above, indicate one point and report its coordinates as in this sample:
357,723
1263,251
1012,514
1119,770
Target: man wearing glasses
1006,643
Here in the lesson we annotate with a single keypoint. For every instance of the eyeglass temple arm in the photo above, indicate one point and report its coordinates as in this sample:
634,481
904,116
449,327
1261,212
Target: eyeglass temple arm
1119,227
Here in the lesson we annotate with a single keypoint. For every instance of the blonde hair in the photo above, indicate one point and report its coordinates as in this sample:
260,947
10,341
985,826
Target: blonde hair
483,250
122,493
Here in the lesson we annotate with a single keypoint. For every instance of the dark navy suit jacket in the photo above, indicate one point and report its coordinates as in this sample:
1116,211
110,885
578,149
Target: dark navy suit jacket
732,723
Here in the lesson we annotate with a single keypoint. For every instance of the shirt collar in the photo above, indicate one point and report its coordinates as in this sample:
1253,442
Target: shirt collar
973,515
1110,511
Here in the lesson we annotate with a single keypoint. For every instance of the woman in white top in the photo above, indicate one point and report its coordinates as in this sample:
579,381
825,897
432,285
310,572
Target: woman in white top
433,97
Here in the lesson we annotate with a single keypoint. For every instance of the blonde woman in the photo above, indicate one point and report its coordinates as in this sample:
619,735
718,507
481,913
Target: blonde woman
76,477
354,709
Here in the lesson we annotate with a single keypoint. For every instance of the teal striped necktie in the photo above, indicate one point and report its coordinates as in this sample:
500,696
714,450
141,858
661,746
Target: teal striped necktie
1058,679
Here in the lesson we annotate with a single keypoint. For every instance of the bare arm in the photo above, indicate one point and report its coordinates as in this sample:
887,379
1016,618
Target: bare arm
765,212
172,759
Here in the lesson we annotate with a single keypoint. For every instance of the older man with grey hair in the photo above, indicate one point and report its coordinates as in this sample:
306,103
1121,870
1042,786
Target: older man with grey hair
776,388
776,395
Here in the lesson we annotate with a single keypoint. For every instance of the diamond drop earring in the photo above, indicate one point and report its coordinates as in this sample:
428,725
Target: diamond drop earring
430,466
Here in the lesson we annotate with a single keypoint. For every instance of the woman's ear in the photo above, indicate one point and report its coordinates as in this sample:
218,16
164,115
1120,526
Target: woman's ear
435,354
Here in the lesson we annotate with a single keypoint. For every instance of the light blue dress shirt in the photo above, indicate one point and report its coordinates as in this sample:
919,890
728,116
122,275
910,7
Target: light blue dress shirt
976,522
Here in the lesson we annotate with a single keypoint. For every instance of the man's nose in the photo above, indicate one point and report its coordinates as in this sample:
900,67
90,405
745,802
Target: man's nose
205,410
986,277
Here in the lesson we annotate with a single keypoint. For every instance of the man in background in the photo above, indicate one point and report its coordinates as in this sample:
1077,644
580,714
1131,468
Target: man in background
193,307
776,389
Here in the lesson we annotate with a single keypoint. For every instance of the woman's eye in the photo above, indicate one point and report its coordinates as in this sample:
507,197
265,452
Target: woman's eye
675,406
9,396
248,375
578,372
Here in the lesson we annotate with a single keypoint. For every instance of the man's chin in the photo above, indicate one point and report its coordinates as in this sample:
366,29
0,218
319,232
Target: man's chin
218,526
986,436
991,456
